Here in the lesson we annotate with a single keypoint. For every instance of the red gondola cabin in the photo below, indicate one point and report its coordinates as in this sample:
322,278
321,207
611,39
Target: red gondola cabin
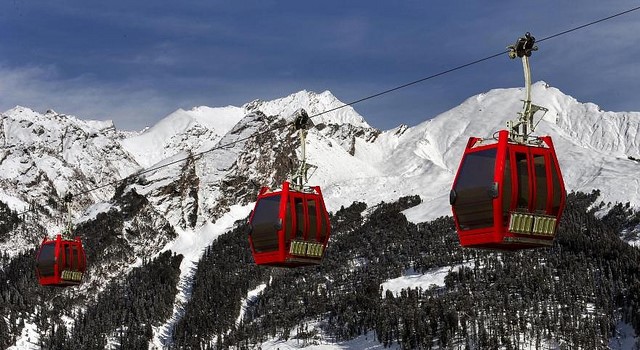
508,196
60,262
289,228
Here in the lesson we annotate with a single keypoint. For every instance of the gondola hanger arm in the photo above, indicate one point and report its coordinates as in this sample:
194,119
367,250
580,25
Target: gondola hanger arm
67,202
301,122
521,128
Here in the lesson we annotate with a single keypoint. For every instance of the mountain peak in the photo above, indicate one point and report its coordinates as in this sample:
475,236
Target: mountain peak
316,105
193,130
20,110
54,121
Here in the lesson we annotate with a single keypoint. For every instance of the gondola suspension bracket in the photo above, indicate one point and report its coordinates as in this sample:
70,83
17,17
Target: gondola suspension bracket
300,177
521,128
69,224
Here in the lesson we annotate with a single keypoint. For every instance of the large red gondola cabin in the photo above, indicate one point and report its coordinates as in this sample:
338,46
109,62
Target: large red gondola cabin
506,195
289,228
510,195
60,262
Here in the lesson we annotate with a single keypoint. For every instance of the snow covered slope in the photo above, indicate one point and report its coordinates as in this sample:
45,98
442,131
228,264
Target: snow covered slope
354,160
45,156
194,130
593,147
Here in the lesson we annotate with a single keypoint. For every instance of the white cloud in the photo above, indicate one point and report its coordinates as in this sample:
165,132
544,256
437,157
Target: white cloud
42,88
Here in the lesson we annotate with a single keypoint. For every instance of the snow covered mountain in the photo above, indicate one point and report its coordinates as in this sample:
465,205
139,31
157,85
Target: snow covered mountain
195,172
43,157
595,150
53,154
195,130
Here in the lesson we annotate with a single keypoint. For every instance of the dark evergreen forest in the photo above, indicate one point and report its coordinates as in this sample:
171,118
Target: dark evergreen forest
124,311
572,294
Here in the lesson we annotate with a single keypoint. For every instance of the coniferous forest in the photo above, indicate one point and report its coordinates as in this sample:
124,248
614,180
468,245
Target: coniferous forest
571,295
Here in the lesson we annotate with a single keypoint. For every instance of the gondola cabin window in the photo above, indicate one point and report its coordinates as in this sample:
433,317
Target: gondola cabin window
542,188
507,191
313,221
288,218
522,174
47,260
559,194
473,202
299,218
265,224
324,229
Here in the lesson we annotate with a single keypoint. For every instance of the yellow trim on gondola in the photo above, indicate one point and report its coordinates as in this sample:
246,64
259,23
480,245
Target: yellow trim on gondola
302,248
532,224
75,276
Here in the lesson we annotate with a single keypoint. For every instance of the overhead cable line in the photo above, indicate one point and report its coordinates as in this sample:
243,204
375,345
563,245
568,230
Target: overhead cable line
589,24
199,154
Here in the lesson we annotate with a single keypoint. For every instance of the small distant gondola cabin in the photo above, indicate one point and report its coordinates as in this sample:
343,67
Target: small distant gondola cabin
60,262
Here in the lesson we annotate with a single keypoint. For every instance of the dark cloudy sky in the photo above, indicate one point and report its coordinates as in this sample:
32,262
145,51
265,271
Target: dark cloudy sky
134,62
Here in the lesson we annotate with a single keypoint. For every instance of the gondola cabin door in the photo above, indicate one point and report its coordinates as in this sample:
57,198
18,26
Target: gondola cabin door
289,228
507,196
60,262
